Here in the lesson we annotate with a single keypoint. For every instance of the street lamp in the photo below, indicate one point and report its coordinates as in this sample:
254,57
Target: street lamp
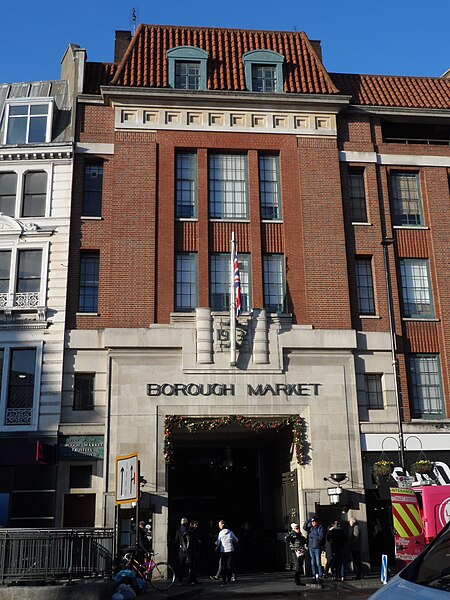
386,242
335,493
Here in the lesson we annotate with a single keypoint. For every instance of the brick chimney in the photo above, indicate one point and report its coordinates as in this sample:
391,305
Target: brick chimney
122,41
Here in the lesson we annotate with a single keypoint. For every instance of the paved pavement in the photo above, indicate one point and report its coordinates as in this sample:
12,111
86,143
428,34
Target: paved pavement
270,585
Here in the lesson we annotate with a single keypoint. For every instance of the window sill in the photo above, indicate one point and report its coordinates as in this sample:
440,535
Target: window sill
87,314
411,227
272,221
362,223
421,319
188,219
369,316
230,220
84,218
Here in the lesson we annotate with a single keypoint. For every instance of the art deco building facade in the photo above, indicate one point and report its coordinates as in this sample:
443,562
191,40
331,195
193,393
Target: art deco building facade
189,136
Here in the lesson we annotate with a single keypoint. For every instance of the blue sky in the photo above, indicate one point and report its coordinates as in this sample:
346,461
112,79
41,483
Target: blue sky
388,37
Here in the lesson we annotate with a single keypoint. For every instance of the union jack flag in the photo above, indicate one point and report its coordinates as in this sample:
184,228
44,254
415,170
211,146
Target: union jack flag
237,286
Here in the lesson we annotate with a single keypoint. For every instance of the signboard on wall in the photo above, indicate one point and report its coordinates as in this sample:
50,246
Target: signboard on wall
127,478
81,447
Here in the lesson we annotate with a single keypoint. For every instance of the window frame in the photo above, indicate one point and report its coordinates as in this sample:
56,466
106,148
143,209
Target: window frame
377,393
21,173
268,284
193,284
187,54
31,101
83,255
7,350
397,202
264,206
409,314
212,191
262,58
369,298
98,204
80,406
352,173
8,300
193,183
244,260
413,386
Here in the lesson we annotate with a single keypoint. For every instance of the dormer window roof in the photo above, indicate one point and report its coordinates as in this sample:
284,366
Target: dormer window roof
187,68
263,71
28,120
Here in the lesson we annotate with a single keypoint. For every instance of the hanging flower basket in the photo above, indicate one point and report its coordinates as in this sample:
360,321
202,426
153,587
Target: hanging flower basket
382,468
423,467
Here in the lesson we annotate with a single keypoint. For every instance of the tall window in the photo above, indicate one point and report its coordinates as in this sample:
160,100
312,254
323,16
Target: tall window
20,286
34,194
274,284
187,75
364,284
406,201
83,391
357,195
220,281
186,291
93,190
269,186
186,185
228,186
28,123
426,385
89,272
373,391
8,189
264,78
416,290
21,380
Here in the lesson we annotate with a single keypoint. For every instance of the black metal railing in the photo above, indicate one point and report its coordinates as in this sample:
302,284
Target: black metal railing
54,554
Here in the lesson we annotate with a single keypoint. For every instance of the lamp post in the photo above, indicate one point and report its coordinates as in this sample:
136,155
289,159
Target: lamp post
386,242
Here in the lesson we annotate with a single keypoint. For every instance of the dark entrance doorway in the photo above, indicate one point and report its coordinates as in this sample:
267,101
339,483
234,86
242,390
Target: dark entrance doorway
236,475
79,510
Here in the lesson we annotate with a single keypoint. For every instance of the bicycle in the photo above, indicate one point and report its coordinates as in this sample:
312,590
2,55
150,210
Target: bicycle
161,576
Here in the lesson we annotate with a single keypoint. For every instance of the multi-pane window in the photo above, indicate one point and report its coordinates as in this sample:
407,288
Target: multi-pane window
20,386
20,278
83,391
28,123
426,386
406,201
186,290
416,290
228,186
8,191
186,185
220,281
269,186
373,391
93,189
264,78
187,75
89,272
274,283
24,194
357,195
364,286
34,194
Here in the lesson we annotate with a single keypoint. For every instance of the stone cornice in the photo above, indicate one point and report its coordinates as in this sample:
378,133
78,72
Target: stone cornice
24,153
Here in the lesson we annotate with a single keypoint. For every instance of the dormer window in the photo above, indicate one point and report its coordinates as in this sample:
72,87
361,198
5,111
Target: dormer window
28,121
263,71
187,68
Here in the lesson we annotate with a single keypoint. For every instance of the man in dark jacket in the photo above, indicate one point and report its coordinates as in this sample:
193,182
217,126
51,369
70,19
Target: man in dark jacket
182,540
297,546
316,538
338,540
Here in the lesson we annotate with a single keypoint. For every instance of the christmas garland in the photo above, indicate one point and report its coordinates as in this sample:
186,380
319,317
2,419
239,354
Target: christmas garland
173,421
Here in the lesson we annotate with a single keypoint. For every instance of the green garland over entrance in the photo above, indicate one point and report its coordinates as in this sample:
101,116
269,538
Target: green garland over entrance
294,421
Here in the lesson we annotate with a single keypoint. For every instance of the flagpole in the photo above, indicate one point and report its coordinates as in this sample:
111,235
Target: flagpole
232,305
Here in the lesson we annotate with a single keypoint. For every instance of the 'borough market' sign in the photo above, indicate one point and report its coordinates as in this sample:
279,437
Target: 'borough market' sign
224,389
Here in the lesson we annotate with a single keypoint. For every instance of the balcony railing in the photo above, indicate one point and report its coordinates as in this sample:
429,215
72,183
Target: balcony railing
18,416
24,300
56,554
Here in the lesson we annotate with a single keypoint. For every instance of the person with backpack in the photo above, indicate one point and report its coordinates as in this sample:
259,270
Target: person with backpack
316,539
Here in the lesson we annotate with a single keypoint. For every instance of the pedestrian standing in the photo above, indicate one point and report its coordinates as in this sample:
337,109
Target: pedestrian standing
297,546
316,538
182,540
193,551
338,542
354,545
225,541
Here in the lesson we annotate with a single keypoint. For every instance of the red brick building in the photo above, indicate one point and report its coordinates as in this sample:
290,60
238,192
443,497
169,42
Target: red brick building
193,134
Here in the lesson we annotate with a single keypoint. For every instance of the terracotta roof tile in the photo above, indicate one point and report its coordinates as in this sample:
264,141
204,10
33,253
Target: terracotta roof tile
401,92
145,65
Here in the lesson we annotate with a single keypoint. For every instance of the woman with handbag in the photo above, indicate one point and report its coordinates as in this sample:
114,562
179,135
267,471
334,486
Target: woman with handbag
297,545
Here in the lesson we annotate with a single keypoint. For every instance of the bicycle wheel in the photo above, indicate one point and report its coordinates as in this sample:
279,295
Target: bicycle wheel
162,576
